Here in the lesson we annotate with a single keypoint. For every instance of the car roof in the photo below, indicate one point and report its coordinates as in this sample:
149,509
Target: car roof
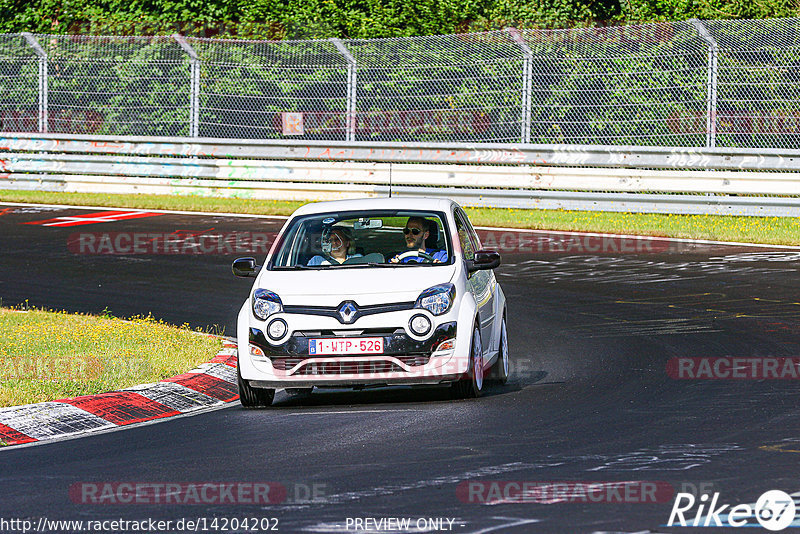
394,203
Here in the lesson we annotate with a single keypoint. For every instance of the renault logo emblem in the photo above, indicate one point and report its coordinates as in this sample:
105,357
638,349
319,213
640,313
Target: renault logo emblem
347,311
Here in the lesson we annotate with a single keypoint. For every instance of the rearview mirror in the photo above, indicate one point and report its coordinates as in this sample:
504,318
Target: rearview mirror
484,260
244,267
367,224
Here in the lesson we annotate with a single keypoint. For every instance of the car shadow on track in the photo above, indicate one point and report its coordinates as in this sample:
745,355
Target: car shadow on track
393,394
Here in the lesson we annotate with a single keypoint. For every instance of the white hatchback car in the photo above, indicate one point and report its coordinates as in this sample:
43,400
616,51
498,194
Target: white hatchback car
372,292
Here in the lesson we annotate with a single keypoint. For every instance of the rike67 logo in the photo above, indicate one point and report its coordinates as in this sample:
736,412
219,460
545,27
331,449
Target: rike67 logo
774,510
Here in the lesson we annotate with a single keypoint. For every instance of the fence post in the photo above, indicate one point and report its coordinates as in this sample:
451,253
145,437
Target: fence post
43,86
351,88
711,98
194,89
527,83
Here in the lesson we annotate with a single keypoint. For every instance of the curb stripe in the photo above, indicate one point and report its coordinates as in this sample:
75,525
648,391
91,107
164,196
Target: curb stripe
211,384
219,370
207,385
9,436
229,360
51,419
175,396
121,407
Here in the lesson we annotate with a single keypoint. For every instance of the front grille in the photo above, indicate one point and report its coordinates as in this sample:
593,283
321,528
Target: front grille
365,366
348,368
284,364
396,343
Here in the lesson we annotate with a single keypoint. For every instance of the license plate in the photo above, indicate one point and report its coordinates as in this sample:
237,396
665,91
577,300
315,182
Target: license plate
345,345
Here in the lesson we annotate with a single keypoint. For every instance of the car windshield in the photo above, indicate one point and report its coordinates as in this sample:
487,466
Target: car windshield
364,239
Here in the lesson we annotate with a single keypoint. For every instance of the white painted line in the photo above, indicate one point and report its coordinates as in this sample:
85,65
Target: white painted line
393,489
174,212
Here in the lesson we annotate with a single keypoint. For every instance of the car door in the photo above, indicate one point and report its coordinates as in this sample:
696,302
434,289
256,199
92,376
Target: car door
480,283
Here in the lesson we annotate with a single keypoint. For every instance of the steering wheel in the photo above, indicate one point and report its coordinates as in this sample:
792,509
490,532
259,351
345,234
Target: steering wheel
415,254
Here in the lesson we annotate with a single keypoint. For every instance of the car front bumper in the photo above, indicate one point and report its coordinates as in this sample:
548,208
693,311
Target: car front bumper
404,360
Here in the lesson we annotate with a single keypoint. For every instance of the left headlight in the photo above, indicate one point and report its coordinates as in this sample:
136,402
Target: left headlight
266,303
437,299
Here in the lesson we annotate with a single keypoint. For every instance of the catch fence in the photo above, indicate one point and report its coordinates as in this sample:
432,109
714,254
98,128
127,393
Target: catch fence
712,83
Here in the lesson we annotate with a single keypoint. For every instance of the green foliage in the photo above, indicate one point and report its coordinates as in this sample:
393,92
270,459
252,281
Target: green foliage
302,19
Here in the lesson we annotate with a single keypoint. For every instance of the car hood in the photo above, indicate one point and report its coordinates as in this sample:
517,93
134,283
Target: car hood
329,287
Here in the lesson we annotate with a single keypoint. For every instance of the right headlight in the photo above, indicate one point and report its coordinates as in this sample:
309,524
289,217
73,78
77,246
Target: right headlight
437,299
266,303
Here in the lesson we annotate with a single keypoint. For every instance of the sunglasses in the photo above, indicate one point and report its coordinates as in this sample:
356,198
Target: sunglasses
413,231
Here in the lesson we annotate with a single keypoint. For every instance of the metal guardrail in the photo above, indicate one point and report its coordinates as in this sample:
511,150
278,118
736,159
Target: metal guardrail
459,153
639,179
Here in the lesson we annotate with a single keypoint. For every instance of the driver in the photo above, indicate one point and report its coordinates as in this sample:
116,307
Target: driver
416,232
339,239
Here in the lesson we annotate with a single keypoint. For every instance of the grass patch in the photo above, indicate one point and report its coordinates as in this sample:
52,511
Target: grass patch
773,230
47,355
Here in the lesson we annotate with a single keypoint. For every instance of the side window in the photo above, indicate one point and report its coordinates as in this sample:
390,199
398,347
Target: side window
463,228
472,233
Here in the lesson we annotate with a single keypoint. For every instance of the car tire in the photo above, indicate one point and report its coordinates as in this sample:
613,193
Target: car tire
251,397
499,372
471,385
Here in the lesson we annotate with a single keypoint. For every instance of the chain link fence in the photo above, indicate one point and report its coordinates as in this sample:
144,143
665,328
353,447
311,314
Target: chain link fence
687,84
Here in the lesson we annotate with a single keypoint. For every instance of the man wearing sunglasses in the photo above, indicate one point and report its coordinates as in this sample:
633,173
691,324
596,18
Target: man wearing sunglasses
417,230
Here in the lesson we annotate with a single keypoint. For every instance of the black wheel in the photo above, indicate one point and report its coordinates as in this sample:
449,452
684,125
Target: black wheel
499,371
471,385
253,397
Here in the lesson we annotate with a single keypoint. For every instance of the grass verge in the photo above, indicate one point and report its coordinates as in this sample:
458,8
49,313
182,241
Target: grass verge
47,355
773,230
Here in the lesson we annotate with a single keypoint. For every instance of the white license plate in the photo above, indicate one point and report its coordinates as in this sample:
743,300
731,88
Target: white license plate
345,345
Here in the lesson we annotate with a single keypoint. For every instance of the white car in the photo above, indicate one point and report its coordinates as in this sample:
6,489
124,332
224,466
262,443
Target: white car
372,292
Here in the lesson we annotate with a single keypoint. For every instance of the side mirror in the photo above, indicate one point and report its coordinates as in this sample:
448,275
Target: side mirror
484,260
244,267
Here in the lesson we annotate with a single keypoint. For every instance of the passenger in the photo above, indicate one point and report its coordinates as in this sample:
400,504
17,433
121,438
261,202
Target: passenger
339,241
417,230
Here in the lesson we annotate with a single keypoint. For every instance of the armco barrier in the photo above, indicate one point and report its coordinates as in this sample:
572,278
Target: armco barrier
610,178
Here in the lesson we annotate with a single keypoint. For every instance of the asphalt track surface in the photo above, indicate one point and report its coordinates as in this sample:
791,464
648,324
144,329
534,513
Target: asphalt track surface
590,399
